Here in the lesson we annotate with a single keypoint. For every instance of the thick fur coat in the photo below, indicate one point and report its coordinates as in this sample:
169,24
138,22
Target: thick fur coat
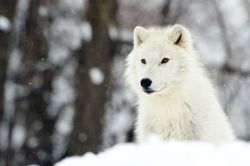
176,99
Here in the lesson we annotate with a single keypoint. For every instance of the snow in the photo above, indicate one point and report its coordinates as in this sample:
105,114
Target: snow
119,115
14,61
121,122
22,11
5,24
217,58
96,75
32,142
18,136
63,125
239,93
120,34
9,97
154,4
86,31
171,153
63,94
66,32
63,128
238,17
58,54
43,11
75,5
209,44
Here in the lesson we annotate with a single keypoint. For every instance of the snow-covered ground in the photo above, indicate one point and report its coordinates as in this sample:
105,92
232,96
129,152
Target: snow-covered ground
171,153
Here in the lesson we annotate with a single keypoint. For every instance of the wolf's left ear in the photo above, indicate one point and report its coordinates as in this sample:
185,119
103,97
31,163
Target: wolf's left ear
181,36
140,35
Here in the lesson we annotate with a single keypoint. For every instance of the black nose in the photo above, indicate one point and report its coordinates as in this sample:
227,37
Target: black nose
145,83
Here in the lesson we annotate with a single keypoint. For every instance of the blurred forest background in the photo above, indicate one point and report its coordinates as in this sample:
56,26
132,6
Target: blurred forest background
62,90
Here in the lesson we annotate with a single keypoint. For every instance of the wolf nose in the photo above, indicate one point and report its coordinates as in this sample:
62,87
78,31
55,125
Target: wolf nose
145,83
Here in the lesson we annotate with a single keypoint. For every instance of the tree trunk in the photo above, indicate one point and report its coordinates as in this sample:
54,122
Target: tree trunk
30,107
91,97
35,51
7,9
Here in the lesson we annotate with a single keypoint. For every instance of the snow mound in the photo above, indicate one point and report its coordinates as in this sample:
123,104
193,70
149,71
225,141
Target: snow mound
166,153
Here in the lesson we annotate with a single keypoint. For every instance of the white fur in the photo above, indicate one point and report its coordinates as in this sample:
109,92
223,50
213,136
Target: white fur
184,105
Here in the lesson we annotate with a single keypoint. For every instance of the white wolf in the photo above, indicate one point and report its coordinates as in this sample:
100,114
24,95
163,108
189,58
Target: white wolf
176,99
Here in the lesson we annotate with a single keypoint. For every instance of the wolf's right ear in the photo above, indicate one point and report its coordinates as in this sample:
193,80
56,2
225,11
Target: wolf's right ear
140,35
181,36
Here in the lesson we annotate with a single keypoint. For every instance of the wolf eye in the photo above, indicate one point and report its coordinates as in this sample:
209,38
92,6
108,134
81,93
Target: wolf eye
143,61
164,60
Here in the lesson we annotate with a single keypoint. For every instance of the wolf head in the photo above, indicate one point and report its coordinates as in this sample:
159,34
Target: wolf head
159,58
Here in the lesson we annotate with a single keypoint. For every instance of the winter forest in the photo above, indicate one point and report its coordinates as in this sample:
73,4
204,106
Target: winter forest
62,89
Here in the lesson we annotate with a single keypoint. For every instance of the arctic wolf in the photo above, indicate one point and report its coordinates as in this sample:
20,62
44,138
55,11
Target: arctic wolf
176,99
